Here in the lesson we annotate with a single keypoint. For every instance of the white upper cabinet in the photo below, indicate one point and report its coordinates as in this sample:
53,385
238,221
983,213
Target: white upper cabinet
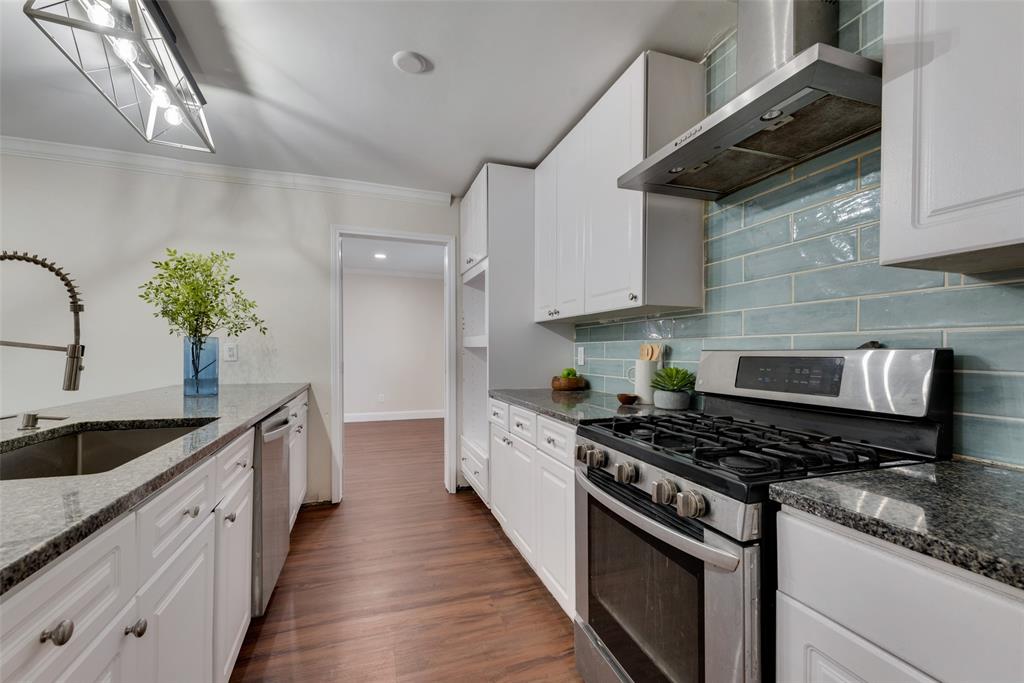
545,194
620,250
570,229
615,230
952,137
473,223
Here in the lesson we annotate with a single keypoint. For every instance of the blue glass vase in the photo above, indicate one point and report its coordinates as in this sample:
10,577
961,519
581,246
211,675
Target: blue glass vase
200,368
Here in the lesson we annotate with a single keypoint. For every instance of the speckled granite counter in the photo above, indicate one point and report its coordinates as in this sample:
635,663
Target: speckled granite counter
571,406
42,518
964,513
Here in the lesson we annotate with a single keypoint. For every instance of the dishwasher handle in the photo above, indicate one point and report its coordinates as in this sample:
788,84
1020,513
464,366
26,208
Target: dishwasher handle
275,427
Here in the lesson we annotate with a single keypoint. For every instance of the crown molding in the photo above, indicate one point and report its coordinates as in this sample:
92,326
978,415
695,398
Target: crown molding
392,273
148,163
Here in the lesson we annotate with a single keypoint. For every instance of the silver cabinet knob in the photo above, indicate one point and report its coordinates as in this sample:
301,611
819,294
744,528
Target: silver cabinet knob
242,463
295,414
664,491
231,518
556,312
138,629
626,473
690,504
59,634
519,424
191,512
633,297
550,441
469,259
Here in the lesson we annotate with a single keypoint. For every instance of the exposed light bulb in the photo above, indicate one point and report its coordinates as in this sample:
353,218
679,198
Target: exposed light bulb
380,256
125,49
173,116
160,96
100,15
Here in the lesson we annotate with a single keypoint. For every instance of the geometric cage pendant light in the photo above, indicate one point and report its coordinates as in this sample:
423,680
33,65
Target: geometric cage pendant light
127,50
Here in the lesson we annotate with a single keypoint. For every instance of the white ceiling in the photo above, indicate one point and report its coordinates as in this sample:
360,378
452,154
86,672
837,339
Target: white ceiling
307,86
407,259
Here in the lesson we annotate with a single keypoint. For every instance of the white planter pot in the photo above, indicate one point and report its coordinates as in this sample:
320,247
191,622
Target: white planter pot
671,400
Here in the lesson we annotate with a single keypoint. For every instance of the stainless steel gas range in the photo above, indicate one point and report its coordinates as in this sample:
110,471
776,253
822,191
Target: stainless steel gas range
675,564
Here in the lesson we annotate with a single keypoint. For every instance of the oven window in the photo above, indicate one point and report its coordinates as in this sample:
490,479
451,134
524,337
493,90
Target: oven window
646,601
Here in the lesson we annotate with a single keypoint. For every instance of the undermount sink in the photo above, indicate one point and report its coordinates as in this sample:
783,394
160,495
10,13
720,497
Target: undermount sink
89,451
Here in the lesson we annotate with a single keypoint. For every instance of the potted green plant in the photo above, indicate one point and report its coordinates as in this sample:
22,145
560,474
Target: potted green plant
672,387
197,295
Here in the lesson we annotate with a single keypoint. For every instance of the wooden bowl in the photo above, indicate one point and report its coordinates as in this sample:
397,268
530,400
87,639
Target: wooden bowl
568,383
627,399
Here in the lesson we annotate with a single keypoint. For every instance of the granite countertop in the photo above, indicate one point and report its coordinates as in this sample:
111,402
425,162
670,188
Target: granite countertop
571,406
965,513
43,518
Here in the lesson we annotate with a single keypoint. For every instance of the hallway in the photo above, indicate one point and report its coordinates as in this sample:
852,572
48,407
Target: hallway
405,582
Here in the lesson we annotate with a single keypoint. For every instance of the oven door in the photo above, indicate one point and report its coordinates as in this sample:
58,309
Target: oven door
658,598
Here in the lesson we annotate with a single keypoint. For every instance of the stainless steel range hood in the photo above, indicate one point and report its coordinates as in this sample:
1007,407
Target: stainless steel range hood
814,98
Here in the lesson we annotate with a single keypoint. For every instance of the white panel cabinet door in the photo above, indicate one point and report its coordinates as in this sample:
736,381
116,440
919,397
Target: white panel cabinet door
571,217
177,605
501,463
615,234
555,550
233,582
522,512
815,649
952,139
473,223
545,238
112,657
297,462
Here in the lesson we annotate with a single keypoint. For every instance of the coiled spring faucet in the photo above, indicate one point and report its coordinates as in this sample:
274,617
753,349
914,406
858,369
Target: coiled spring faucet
75,351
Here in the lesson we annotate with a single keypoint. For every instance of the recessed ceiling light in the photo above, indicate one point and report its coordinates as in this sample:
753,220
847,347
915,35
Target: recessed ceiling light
411,62
380,255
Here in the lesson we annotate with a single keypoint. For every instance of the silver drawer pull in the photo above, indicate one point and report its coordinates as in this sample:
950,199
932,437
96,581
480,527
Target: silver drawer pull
476,472
191,512
519,424
231,518
295,414
138,629
59,634
496,414
242,463
550,440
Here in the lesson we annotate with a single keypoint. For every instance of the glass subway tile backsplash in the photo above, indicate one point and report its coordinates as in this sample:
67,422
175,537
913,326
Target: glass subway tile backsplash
792,263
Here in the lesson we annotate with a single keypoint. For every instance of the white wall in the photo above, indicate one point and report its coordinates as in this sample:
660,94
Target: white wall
105,225
394,346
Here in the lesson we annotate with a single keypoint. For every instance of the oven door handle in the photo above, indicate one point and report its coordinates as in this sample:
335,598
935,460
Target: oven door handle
682,542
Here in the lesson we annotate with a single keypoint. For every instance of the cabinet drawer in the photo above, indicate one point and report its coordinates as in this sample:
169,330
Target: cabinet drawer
522,423
170,518
497,412
915,610
475,468
557,439
87,587
233,462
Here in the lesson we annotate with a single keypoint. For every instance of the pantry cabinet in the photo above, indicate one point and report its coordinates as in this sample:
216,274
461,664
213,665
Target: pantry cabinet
952,140
473,223
620,250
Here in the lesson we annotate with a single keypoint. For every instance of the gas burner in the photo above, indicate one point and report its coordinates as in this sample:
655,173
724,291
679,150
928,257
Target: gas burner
744,464
642,433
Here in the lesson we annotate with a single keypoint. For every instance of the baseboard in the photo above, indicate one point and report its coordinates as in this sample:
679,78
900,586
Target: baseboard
394,415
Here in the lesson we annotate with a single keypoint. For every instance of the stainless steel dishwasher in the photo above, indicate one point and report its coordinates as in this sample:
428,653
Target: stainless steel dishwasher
270,509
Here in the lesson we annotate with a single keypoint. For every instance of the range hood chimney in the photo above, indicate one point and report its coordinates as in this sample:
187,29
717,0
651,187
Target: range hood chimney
799,97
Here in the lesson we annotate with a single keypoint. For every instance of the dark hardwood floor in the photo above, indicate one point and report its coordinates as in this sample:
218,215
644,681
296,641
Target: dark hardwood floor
405,582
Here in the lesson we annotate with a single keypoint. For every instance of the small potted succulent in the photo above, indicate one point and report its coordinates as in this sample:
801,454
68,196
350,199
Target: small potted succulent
672,387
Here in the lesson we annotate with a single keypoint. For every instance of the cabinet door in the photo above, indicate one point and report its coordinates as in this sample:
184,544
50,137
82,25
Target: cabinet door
571,218
177,605
296,468
545,239
233,582
473,222
555,530
501,488
815,649
615,229
953,169
521,509
112,657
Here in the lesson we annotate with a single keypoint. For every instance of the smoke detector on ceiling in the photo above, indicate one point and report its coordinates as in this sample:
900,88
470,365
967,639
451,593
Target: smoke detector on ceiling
411,62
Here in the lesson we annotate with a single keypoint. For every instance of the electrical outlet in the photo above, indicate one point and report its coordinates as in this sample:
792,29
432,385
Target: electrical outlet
380,398
580,357
231,351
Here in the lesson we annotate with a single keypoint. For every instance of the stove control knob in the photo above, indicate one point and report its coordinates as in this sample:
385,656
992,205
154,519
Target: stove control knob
690,504
664,491
595,457
626,473
581,452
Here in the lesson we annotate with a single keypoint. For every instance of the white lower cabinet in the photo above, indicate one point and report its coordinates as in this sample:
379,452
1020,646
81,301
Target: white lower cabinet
297,456
177,605
532,496
233,582
110,658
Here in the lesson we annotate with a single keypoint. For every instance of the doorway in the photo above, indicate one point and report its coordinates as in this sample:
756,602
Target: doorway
396,291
